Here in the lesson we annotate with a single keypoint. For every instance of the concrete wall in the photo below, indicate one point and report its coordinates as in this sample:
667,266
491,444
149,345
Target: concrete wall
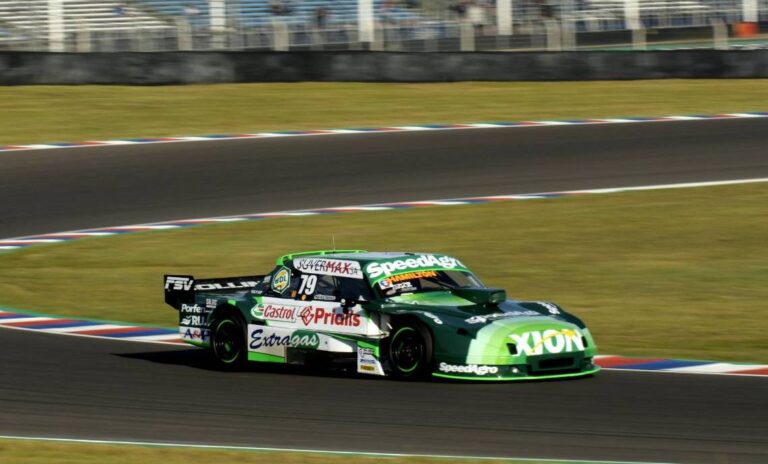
17,68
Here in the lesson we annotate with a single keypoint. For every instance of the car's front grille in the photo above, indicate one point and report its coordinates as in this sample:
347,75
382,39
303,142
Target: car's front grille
556,363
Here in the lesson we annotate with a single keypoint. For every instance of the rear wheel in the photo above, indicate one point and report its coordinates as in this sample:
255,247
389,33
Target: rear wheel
410,352
228,342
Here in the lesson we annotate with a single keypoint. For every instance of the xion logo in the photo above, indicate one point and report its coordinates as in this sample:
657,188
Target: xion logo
321,316
334,267
548,341
388,268
282,280
178,283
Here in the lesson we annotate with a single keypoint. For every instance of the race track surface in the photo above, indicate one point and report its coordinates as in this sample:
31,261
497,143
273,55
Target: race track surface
57,190
54,385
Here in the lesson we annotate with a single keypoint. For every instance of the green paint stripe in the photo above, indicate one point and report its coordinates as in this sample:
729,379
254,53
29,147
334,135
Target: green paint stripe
266,357
309,451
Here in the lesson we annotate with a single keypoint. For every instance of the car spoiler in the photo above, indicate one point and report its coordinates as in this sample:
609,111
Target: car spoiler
181,289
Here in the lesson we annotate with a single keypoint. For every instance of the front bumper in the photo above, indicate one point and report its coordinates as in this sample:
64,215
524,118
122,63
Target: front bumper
539,368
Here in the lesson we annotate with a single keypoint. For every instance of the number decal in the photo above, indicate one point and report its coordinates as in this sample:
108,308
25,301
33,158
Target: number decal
308,284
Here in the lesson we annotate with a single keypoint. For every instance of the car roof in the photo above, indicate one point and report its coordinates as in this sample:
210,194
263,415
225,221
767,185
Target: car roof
362,256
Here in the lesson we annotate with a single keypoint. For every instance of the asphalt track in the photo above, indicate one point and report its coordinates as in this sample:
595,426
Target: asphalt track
53,385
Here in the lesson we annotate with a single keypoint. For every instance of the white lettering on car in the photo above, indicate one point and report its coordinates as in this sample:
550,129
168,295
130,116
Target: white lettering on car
549,341
468,369
387,268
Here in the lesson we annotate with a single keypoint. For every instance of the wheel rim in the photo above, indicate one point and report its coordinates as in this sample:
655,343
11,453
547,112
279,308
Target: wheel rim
407,350
226,341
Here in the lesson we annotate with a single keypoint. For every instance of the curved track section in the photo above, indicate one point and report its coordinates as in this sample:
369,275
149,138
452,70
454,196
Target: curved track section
56,190
84,388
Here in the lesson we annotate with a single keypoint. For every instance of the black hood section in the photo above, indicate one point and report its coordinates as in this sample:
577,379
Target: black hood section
482,296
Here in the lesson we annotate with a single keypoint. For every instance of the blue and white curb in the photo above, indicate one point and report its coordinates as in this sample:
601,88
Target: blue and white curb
372,130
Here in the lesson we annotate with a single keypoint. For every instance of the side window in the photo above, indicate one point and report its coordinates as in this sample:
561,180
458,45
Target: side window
317,287
355,288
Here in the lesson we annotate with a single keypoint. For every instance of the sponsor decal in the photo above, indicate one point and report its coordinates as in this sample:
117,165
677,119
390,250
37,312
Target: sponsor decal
387,268
332,267
195,309
322,316
233,285
324,297
178,283
367,363
391,281
497,316
434,318
553,309
272,312
548,341
401,287
211,303
282,280
195,334
468,369
193,320
304,339
262,339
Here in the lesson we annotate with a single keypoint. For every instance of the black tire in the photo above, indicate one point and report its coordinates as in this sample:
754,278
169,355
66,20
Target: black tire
228,343
409,352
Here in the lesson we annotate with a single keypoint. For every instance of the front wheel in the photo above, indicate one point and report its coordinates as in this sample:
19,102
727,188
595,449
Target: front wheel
228,343
410,352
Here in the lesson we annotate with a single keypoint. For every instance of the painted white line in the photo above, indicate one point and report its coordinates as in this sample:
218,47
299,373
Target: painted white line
24,319
308,451
83,328
154,338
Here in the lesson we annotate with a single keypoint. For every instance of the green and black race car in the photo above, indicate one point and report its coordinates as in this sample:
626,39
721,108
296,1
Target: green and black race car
407,315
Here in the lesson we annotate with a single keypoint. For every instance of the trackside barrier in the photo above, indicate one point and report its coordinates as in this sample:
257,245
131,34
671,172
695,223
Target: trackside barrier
24,68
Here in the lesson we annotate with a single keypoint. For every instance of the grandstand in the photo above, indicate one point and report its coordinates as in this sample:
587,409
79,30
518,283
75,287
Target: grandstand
190,24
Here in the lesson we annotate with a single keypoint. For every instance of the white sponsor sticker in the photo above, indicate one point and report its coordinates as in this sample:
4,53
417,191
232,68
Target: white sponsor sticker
475,369
332,267
387,268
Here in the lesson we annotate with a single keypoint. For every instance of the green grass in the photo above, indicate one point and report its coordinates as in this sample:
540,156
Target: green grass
38,114
35,452
660,273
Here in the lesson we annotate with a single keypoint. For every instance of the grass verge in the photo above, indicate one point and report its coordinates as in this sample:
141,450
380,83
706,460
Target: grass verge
36,452
659,273
39,114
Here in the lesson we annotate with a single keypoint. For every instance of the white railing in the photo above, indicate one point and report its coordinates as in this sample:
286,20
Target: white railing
112,25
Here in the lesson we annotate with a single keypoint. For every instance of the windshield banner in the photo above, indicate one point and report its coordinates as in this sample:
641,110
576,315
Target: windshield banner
383,269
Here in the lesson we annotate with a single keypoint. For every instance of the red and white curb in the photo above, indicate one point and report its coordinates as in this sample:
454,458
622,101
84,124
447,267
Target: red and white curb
86,328
373,130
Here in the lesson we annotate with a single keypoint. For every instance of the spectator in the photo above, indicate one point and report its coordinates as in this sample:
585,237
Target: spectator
321,17
279,8
120,10
191,11
459,8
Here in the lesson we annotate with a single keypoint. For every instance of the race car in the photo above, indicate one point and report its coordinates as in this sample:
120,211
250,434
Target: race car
404,315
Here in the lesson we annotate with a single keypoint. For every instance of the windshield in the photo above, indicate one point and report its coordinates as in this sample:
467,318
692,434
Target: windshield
426,281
